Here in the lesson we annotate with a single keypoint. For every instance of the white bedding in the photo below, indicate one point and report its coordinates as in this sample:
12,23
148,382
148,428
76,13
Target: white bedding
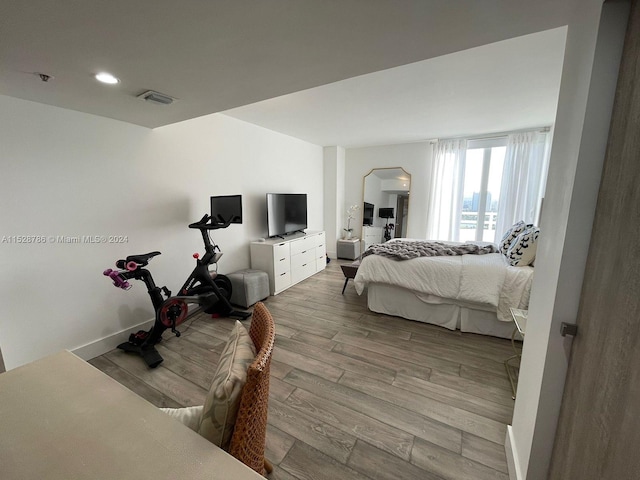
480,279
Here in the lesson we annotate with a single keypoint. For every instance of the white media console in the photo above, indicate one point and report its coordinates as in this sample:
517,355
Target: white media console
291,260
371,236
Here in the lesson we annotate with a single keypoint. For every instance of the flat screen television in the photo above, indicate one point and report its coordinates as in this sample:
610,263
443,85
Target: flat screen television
225,207
367,214
385,212
286,213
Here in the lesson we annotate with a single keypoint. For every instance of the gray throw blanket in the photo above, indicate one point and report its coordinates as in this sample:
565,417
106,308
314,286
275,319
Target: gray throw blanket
406,249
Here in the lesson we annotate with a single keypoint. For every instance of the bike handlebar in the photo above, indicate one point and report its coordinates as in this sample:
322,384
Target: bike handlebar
203,225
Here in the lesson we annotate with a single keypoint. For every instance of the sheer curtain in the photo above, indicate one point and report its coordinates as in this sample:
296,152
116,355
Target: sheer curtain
447,180
522,179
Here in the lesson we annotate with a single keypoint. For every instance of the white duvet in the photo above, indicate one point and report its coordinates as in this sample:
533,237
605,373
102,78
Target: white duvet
482,279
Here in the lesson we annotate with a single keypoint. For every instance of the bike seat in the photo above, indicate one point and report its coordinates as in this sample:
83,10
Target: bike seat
142,259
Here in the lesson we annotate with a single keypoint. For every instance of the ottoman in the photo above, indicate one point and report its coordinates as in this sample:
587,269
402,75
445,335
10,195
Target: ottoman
248,287
349,248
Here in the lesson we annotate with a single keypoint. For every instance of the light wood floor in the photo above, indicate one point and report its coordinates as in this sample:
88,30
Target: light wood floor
354,394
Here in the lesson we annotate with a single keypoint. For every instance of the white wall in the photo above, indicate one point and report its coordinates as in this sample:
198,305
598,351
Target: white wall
334,160
374,195
579,143
68,173
415,158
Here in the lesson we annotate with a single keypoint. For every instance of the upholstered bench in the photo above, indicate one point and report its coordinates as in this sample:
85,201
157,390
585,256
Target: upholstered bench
248,287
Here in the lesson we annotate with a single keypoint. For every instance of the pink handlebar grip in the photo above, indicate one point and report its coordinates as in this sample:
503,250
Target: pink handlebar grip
118,281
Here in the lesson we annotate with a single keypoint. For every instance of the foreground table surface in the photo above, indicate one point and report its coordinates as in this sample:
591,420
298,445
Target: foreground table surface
60,418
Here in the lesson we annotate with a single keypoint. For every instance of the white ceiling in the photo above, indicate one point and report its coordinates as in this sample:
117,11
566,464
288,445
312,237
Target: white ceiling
215,55
508,85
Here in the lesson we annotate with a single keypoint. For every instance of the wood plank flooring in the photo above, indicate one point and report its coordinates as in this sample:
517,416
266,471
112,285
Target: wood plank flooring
354,394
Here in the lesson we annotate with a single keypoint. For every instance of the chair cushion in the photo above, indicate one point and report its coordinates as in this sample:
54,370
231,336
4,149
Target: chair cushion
189,416
222,402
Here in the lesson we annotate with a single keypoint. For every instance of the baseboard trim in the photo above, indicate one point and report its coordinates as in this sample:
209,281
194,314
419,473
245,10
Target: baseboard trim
108,343
512,459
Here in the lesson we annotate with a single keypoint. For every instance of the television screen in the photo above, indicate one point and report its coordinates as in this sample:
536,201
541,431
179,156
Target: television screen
226,207
367,214
286,213
385,212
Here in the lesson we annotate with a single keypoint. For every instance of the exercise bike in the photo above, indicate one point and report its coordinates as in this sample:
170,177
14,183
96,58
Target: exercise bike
203,287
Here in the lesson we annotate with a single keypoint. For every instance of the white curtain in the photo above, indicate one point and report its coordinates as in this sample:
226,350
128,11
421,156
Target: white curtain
447,181
522,180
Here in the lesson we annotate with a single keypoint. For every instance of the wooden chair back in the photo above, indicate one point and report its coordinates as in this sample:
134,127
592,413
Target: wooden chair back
249,434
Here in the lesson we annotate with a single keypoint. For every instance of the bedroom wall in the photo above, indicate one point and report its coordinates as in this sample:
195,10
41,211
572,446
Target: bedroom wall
375,196
415,158
71,174
579,143
333,196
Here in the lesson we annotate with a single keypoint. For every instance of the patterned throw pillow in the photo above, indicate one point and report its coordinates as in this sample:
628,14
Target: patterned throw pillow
189,416
522,251
511,235
223,400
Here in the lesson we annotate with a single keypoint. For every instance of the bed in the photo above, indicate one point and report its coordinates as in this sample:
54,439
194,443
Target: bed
471,293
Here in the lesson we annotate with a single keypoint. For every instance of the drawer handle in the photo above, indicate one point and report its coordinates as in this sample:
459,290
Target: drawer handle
283,274
304,251
304,264
282,259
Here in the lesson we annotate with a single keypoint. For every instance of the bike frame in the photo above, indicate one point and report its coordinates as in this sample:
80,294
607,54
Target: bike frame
199,288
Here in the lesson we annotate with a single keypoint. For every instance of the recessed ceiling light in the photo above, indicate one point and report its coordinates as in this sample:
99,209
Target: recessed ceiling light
105,77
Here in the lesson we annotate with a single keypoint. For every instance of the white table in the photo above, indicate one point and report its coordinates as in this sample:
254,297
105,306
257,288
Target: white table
520,320
61,418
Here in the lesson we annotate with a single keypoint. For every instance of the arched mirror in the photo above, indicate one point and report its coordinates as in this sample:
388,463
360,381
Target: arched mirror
385,204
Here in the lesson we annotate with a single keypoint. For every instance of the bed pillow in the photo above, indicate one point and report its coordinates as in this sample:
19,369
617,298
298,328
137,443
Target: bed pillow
511,235
522,251
222,402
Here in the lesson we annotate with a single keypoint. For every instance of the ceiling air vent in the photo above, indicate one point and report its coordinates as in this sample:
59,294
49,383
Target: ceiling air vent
156,97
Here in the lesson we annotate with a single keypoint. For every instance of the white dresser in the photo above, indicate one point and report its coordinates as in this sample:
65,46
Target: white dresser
371,235
291,260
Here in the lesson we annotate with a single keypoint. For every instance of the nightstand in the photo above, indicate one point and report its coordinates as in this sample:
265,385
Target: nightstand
512,363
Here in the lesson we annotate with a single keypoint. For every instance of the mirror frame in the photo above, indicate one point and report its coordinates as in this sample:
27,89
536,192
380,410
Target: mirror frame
364,180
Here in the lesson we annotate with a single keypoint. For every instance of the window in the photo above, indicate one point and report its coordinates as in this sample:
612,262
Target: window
482,177
480,187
